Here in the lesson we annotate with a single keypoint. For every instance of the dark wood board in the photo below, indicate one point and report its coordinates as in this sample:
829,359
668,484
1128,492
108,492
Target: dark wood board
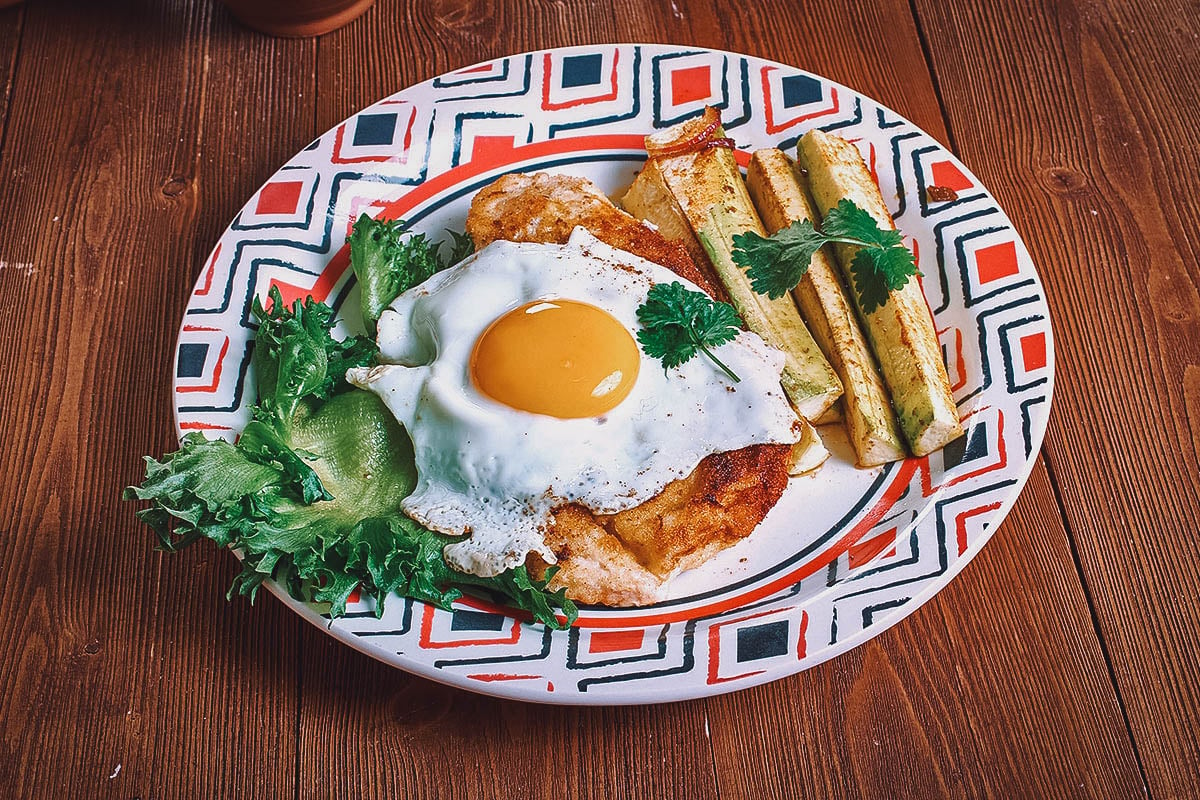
10,40
126,673
1062,662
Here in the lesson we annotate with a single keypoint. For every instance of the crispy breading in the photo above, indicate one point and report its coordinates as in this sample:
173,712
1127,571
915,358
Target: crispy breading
626,559
540,207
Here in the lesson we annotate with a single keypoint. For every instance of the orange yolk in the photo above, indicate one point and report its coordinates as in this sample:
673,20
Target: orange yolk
556,357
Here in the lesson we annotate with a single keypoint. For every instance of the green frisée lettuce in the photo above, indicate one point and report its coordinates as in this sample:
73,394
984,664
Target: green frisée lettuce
310,494
386,261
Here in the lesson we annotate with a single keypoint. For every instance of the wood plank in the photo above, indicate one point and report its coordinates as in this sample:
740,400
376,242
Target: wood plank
127,672
440,37
10,44
995,688
144,132
407,737
1084,126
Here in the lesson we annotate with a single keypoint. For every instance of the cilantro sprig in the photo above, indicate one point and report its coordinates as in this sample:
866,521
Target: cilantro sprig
776,264
678,323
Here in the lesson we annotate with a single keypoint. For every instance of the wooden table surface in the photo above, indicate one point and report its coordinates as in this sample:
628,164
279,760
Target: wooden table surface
1063,662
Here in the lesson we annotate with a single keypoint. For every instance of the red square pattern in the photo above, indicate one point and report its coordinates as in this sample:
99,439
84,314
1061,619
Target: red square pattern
996,262
945,174
281,197
1033,351
492,149
613,641
690,84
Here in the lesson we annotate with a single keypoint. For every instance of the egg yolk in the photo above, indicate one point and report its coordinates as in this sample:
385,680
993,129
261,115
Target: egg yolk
556,357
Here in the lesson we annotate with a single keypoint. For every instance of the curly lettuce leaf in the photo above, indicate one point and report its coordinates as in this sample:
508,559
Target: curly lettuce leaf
386,262
247,498
310,494
296,356
461,246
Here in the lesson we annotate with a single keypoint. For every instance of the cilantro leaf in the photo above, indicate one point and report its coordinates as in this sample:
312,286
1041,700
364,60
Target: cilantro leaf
877,273
881,265
847,220
716,324
677,323
777,263
672,344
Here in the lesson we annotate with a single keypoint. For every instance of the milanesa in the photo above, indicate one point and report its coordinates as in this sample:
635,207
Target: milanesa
626,559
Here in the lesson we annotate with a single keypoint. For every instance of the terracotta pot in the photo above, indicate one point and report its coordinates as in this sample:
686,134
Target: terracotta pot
295,18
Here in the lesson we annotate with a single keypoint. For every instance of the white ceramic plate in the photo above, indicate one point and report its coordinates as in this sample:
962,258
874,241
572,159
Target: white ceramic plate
846,552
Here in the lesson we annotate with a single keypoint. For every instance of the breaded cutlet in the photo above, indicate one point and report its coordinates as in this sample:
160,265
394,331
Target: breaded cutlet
540,207
625,559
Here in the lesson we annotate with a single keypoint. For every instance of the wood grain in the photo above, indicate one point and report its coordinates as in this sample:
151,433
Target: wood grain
996,688
10,39
1097,161
127,673
135,131
407,737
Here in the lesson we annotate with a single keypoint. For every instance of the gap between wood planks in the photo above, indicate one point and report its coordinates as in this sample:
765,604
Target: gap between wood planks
927,54
1091,603
1050,472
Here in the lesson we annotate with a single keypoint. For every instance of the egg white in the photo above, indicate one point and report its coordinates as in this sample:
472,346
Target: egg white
492,473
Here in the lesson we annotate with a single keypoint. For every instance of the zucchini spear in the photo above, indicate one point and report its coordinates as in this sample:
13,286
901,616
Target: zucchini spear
649,199
901,332
778,194
706,190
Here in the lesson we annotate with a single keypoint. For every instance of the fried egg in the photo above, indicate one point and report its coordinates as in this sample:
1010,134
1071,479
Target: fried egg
519,378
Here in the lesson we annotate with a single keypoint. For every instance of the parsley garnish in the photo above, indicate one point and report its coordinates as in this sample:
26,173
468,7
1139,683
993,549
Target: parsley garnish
776,264
677,323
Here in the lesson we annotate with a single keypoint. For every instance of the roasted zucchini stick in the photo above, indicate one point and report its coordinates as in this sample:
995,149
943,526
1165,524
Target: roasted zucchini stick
901,332
708,190
834,412
649,199
780,198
